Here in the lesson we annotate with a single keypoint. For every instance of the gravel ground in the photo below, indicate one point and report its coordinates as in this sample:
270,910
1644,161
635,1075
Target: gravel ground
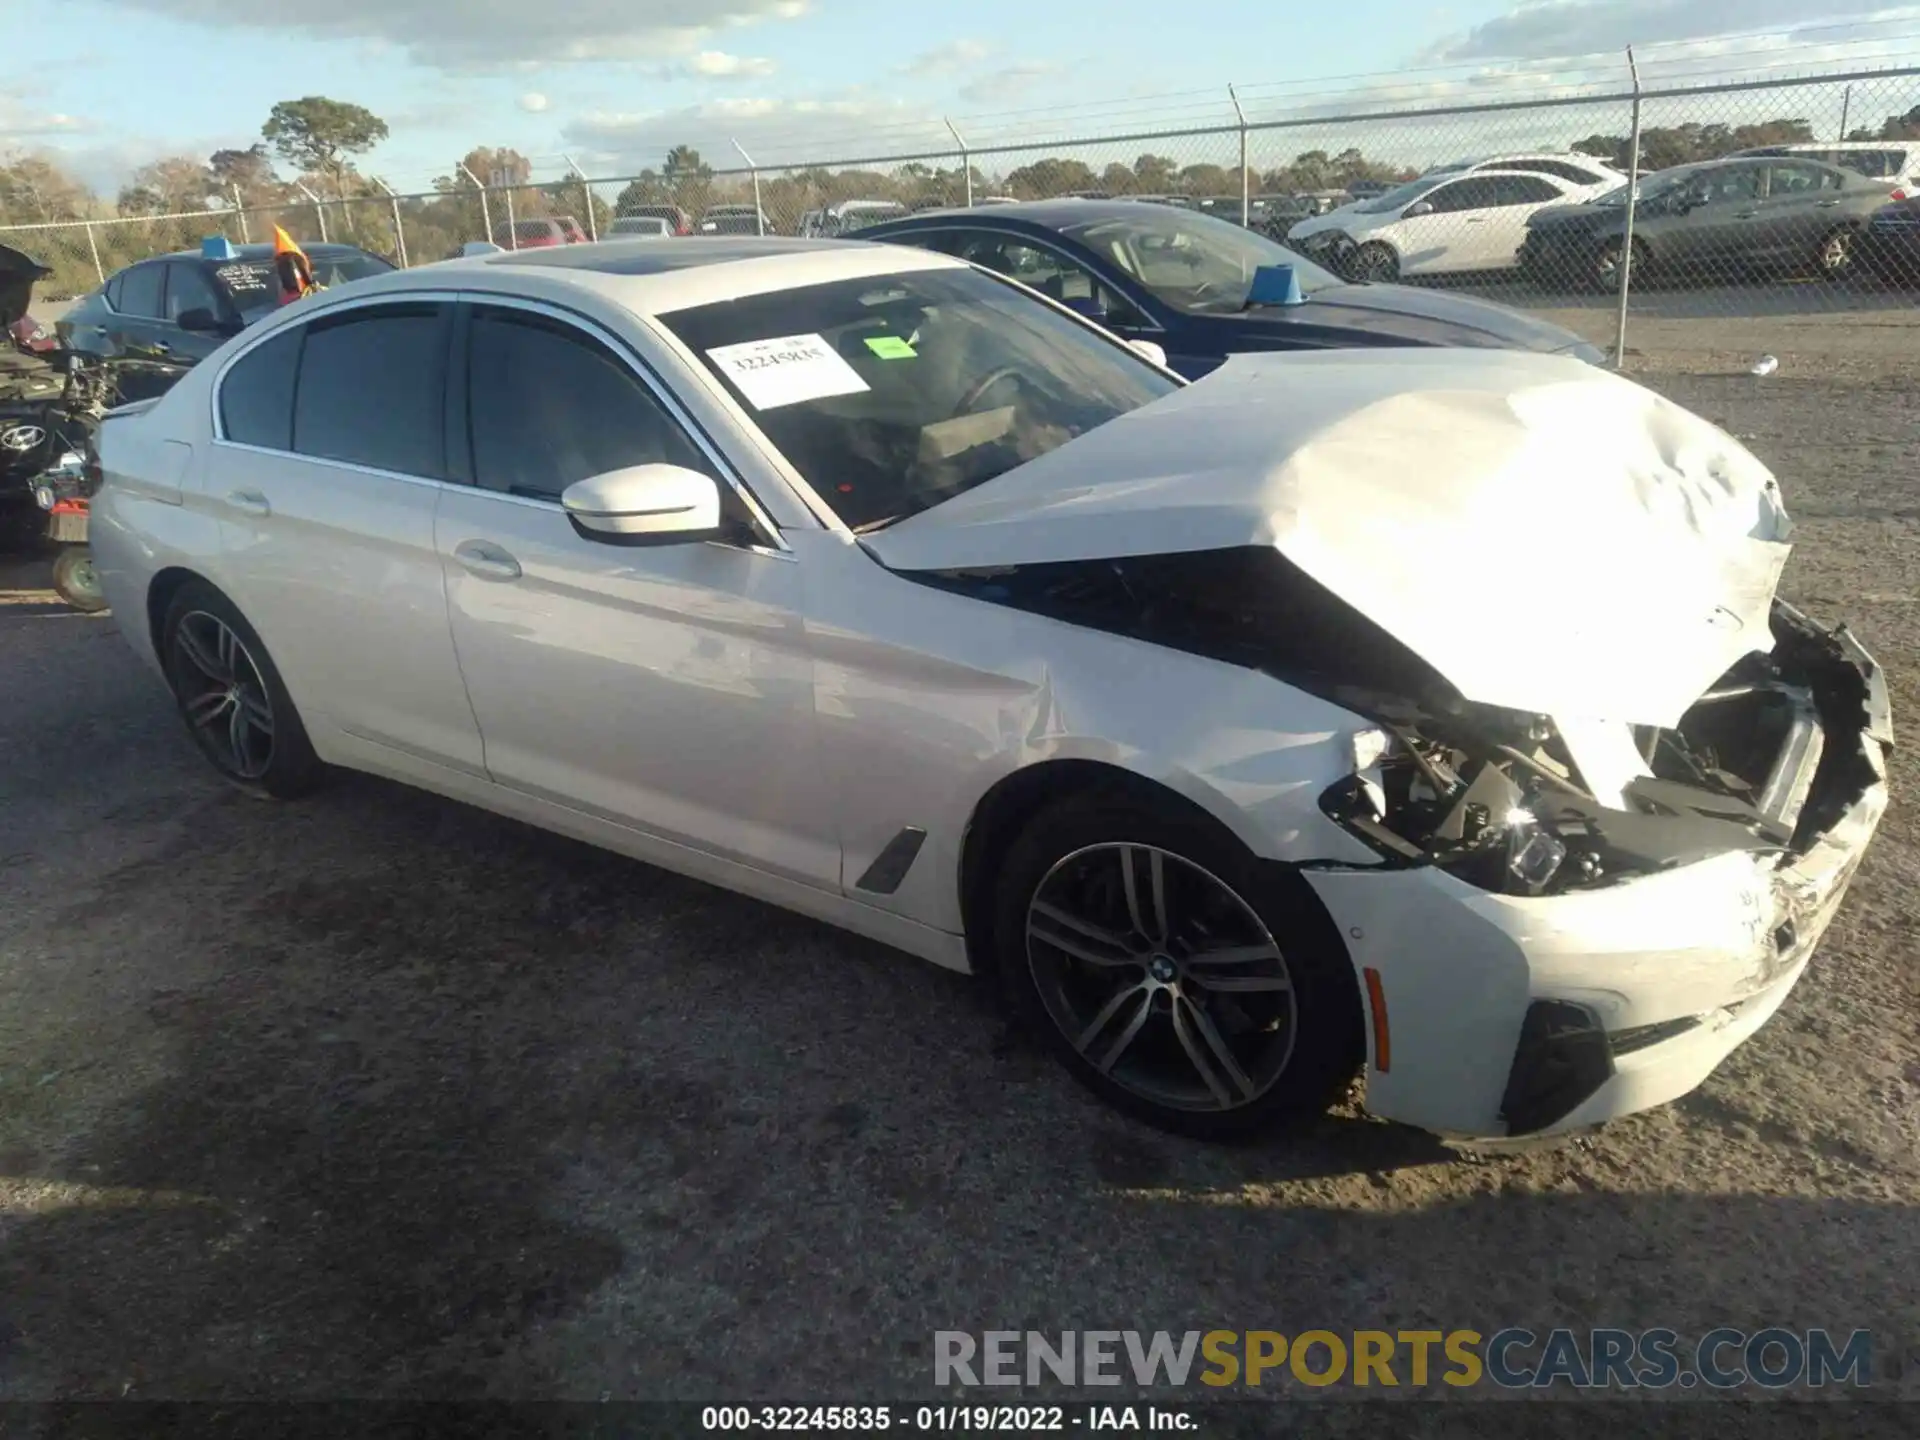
378,1095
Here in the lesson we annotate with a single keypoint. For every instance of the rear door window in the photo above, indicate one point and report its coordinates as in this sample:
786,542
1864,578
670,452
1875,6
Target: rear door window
188,288
142,292
372,389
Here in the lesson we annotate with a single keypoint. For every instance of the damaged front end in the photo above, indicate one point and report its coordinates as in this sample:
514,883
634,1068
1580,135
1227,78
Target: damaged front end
1767,760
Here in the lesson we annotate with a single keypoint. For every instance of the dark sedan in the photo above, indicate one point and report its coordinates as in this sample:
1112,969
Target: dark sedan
154,321
1711,223
1196,286
1890,245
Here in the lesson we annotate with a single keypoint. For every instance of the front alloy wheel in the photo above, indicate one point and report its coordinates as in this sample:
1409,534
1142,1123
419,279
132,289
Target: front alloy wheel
1161,977
1173,973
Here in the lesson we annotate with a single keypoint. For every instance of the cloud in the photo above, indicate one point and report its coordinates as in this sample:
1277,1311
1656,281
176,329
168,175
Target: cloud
1007,84
775,132
533,102
718,65
481,35
947,58
1537,29
20,124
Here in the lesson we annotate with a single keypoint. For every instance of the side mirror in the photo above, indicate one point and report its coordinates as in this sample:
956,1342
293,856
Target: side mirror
1418,207
1089,306
1147,350
645,505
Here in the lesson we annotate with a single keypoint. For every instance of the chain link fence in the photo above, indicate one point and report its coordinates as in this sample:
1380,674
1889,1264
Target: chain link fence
1753,199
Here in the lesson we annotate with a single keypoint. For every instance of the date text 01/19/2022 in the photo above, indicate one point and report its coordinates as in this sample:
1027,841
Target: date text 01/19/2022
1007,1419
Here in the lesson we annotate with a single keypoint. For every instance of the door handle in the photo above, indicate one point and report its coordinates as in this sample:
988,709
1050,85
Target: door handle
250,502
487,560
1827,204
1745,214
160,347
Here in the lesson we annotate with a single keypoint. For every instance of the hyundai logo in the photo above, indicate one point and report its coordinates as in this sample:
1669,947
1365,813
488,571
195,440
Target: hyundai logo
22,438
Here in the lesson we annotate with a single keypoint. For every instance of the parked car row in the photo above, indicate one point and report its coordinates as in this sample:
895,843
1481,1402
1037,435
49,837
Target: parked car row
1561,219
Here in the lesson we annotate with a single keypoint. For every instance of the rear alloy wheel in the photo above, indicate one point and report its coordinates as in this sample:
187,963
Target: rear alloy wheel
1834,259
1375,263
75,582
1172,974
232,698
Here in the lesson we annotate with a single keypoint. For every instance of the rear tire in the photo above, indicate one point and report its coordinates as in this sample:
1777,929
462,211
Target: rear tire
1208,994
1605,275
75,582
232,699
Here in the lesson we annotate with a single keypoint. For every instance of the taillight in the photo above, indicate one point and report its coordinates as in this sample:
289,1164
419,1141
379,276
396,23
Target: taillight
1900,194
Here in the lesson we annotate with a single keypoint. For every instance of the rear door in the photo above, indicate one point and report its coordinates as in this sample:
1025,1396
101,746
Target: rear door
326,471
1451,235
136,332
1799,210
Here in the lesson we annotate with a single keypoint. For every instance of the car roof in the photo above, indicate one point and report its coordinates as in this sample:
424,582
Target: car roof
1799,147
315,251
649,278
1048,214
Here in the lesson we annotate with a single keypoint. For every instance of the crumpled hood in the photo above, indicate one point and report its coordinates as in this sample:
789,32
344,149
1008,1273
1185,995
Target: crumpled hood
1548,536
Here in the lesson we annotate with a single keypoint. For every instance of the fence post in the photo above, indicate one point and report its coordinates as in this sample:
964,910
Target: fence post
1633,204
586,189
93,245
1246,174
759,215
240,214
319,211
399,227
486,211
1846,110
513,225
966,159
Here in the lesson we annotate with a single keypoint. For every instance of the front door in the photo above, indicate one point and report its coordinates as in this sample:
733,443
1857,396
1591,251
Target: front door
667,688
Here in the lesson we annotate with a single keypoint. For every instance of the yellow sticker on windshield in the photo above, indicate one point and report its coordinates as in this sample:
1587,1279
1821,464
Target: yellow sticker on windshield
891,347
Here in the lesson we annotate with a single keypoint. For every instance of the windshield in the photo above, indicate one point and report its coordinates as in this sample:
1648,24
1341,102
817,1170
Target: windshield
892,394
254,288
1400,195
1194,262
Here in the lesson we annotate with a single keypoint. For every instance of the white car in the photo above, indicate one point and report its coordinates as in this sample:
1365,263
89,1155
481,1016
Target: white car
1437,225
877,586
634,227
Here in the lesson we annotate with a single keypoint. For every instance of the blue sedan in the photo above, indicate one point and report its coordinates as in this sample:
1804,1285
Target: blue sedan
1202,288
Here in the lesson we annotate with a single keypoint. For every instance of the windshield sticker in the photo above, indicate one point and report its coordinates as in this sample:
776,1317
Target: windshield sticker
891,347
244,277
787,370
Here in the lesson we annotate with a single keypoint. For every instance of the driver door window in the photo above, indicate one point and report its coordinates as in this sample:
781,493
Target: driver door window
549,405
1052,274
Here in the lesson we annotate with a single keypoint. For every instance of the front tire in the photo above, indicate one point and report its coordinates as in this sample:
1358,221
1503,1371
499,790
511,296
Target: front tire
75,582
234,703
1375,263
1833,260
1176,976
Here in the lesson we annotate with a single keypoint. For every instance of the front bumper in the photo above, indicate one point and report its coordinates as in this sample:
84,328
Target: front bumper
1513,1015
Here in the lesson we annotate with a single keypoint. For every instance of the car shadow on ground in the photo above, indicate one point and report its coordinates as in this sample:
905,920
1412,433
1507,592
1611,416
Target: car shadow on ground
453,1107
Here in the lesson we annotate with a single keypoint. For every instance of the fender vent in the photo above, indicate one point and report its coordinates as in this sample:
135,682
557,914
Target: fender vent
890,866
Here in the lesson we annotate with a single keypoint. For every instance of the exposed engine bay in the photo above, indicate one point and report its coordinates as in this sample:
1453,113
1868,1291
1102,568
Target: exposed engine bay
1766,761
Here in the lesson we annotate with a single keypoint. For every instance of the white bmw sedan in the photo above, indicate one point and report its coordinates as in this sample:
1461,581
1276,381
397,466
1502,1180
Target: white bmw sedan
1330,713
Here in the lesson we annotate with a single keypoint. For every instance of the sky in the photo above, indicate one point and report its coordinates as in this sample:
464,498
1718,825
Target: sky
613,83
